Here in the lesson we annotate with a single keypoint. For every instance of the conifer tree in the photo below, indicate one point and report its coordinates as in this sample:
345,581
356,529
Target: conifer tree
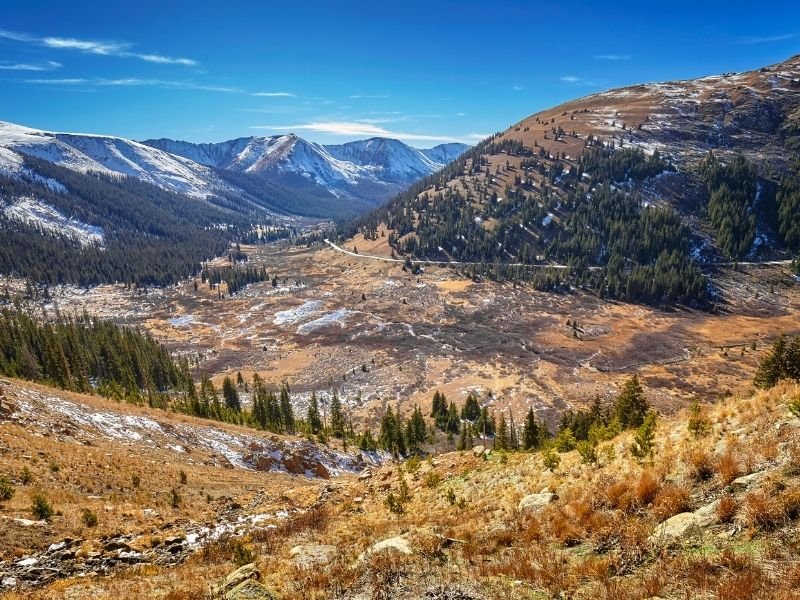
631,406
313,418
287,413
230,395
530,432
337,416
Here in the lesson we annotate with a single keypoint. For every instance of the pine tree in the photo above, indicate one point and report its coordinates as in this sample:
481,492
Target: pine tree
337,416
530,432
631,406
772,368
314,421
287,413
642,446
501,440
230,395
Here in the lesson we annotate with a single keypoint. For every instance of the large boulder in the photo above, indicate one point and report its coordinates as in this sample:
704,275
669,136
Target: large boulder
395,544
685,527
534,502
308,555
243,584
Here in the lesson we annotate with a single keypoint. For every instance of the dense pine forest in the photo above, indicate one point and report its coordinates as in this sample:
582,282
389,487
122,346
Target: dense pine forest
150,236
614,243
84,354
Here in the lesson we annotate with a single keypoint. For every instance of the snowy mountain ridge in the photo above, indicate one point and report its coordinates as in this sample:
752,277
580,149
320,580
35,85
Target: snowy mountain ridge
369,171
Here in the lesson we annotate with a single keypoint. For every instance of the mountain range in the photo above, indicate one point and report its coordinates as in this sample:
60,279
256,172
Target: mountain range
364,173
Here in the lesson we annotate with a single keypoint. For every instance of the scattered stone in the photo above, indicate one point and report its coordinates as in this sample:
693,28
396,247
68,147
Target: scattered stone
478,450
395,544
29,523
684,527
308,555
243,584
743,483
535,502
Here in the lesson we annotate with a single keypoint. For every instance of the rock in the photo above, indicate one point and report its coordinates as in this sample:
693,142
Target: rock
743,483
29,523
249,590
684,526
535,502
478,450
243,584
308,555
395,544
240,575
365,474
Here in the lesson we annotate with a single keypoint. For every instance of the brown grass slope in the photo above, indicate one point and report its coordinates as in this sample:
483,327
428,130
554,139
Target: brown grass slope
713,515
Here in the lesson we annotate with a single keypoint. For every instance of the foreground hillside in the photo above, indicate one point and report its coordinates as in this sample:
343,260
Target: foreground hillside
711,512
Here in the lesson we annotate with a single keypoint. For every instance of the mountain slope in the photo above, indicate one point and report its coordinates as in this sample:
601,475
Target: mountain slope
620,187
105,154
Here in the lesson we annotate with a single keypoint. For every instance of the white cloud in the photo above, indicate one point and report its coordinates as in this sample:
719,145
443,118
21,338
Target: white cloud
767,39
575,80
274,94
612,57
102,48
518,88
48,65
137,82
369,96
360,128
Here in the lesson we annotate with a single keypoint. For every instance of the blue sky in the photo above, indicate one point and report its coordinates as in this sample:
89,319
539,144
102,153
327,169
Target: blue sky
424,72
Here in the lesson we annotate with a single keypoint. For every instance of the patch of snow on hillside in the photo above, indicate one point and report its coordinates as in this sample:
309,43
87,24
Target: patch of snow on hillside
336,317
33,212
298,313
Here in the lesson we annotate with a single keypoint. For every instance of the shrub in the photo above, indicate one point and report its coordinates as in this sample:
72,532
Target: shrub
432,479
762,511
726,508
413,464
647,487
136,480
642,446
242,554
40,507
669,501
183,477
89,518
174,498
551,459
55,467
588,452
698,425
727,467
700,464
6,489
26,477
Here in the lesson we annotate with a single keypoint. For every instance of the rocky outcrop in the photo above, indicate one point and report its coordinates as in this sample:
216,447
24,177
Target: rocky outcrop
243,584
534,502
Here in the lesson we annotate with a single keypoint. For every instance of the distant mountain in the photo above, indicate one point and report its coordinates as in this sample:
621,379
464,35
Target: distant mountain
372,170
283,174
108,155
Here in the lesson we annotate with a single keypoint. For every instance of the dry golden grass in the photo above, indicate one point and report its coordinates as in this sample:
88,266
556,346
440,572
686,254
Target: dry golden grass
593,542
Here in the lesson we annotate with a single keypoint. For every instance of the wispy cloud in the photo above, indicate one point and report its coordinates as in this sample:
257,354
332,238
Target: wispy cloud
48,65
137,82
767,39
360,128
575,80
612,57
101,48
274,94
368,96
518,88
